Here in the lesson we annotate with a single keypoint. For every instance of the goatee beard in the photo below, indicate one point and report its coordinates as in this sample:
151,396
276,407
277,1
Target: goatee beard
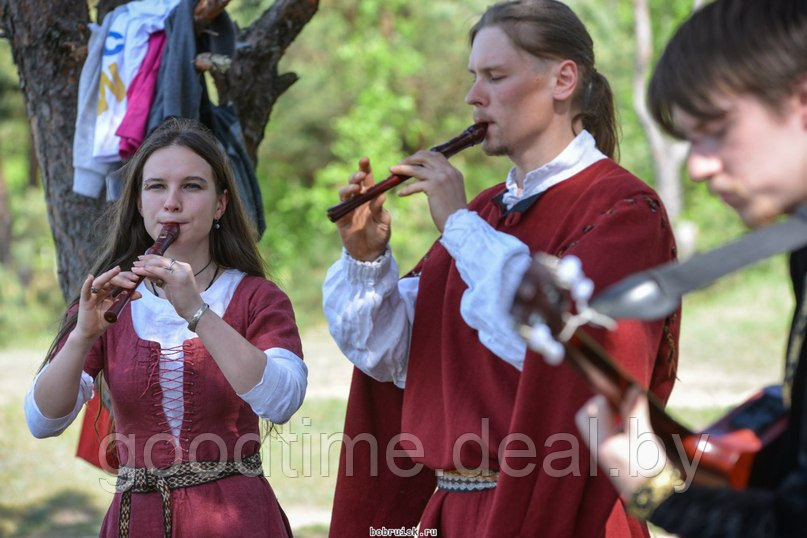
492,150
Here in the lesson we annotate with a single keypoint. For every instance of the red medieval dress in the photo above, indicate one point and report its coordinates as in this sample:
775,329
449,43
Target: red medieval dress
217,425
456,387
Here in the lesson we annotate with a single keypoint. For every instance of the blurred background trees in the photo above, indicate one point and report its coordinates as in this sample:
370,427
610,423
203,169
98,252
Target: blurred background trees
380,78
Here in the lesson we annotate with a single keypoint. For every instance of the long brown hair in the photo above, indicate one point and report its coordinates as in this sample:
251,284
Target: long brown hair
232,245
549,29
730,47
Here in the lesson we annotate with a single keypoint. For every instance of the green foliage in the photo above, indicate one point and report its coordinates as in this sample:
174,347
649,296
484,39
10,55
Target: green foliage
30,301
717,223
390,88
11,104
377,78
611,25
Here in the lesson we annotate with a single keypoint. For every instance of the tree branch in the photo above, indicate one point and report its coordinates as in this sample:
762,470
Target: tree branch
215,63
253,80
47,38
644,50
203,14
206,11
668,155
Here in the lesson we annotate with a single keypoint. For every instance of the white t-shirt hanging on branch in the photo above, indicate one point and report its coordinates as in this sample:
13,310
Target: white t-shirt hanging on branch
124,49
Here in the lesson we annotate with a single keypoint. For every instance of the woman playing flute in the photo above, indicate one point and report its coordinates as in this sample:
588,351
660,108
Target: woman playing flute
439,364
209,346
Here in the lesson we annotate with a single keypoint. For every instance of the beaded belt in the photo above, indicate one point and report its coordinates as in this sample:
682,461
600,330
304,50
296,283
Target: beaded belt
182,475
453,480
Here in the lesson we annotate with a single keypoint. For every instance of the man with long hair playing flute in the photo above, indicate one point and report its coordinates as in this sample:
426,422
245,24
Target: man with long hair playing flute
439,367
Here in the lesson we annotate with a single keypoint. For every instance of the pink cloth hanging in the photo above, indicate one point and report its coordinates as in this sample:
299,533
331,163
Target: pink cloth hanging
139,98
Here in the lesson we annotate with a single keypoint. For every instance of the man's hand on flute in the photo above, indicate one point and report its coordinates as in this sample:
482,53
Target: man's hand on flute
365,231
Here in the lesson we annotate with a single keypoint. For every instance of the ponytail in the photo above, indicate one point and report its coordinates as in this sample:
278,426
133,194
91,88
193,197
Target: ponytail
598,113
550,29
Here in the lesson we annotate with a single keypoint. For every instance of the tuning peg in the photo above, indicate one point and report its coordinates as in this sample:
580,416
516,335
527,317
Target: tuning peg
541,341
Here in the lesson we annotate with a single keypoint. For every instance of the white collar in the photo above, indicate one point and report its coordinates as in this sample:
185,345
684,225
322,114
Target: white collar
581,153
154,318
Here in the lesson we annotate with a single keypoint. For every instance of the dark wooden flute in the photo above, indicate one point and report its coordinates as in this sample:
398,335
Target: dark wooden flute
469,137
169,232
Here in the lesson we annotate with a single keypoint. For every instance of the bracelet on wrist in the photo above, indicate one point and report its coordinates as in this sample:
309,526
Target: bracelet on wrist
654,491
197,316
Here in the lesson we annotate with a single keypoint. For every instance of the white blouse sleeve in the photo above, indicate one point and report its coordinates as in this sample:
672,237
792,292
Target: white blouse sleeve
370,312
281,390
42,426
492,264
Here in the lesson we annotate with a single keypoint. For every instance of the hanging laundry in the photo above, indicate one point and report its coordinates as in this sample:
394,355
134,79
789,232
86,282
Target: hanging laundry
181,92
224,123
179,85
139,98
125,48
89,174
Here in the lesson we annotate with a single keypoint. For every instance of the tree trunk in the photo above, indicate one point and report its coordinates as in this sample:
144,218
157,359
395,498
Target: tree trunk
33,164
668,154
48,42
5,219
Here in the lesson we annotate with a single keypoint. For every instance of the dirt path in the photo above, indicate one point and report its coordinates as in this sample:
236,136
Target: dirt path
18,367
701,387
329,372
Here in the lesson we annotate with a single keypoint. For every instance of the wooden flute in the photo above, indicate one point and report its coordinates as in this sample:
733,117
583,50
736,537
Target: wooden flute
122,296
469,137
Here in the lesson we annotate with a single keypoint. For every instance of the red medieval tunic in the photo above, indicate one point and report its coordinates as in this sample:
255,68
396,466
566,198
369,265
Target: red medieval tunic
217,425
457,389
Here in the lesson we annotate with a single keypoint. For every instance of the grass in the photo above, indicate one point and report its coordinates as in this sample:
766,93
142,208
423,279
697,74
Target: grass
301,458
739,324
311,531
697,418
48,492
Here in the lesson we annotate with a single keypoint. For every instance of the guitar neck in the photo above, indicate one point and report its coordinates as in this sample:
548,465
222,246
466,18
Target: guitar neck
608,378
542,300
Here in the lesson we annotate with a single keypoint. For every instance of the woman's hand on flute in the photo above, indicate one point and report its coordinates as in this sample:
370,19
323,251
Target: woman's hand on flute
442,183
56,390
365,231
96,297
176,277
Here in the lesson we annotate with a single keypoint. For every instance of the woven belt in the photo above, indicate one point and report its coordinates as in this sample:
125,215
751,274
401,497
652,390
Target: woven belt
466,480
182,475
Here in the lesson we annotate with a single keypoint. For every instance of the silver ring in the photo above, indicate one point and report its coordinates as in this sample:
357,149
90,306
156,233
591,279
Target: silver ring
171,265
93,289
